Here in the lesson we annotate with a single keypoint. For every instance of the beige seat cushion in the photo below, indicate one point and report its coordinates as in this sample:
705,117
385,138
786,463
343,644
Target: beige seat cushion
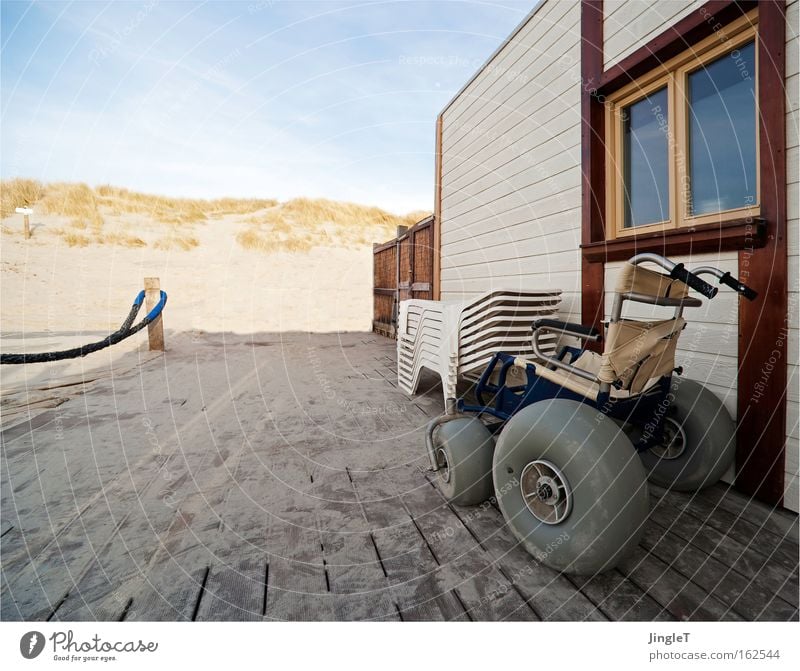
637,351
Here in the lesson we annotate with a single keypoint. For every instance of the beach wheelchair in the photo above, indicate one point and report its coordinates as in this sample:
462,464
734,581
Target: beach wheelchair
570,440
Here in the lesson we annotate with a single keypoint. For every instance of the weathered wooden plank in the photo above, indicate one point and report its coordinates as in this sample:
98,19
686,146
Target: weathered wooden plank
779,550
356,579
225,505
235,591
782,523
550,595
411,569
620,599
160,579
297,588
682,598
108,488
172,521
41,585
297,591
742,558
747,598
465,566
772,540
172,591
10,612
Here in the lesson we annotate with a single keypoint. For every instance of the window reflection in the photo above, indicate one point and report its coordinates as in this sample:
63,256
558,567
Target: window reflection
722,133
646,160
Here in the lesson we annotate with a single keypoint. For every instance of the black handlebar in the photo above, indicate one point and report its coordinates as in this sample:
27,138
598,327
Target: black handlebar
679,272
730,281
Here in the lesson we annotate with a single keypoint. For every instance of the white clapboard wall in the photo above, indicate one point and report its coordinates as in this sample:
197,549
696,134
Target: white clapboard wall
511,184
511,167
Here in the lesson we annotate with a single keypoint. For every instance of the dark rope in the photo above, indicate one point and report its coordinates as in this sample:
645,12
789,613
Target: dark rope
124,331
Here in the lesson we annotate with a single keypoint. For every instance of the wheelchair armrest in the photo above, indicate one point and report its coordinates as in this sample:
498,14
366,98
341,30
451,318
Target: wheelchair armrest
586,332
577,330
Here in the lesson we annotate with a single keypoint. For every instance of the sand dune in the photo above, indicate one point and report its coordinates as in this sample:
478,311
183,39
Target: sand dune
230,268
228,265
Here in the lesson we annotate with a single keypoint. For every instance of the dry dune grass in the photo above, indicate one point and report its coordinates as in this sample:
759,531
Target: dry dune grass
77,235
16,193
303,223
180,242
75,239
294,226
309,212
119,201
176,210
68,200
268,242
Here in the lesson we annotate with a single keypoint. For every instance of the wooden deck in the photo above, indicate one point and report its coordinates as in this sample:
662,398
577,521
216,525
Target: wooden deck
282,477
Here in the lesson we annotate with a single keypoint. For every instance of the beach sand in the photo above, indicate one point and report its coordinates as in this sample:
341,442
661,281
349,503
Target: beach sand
55,296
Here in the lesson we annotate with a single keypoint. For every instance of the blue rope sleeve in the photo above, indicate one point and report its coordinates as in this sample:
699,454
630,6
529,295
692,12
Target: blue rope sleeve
124,331
162,301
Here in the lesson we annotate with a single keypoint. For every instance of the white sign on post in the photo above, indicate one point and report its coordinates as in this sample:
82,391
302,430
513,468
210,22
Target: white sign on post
26,212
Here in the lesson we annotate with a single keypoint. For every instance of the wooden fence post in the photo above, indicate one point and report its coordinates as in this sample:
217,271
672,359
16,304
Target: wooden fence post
26,213
155,329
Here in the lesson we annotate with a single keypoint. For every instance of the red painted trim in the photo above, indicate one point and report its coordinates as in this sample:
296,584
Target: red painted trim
709,238
763,349
593,184
674,40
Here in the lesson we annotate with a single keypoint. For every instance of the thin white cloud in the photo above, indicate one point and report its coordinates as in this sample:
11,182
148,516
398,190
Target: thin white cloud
212,99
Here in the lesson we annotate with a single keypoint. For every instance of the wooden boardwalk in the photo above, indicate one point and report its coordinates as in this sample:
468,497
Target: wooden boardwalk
282,477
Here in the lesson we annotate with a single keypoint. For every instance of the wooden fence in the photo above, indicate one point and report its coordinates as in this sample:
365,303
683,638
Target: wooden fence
402,269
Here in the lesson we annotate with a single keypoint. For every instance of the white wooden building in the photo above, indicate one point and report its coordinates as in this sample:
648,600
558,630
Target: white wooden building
595,132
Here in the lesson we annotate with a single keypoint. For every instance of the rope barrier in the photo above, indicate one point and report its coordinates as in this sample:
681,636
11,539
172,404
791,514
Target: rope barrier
124,331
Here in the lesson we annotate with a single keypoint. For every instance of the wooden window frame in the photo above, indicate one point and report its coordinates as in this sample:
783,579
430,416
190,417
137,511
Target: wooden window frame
674,75
615,204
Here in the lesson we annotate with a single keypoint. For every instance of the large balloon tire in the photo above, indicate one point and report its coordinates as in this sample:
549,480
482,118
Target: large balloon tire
465,477
605,477
708,435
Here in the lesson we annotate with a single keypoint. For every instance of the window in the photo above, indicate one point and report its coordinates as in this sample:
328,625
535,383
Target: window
683,142
645,161
722,133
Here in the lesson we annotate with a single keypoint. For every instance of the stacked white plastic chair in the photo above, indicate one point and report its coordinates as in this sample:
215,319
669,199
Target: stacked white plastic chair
458,338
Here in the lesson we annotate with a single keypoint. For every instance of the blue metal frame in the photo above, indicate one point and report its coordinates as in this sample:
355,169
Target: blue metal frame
644,412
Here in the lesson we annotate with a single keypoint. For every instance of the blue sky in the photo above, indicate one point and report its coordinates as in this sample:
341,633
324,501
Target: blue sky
258,98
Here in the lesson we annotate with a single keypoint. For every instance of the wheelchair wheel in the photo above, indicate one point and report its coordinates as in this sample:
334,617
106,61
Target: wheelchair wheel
570,486
699,441
464,450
